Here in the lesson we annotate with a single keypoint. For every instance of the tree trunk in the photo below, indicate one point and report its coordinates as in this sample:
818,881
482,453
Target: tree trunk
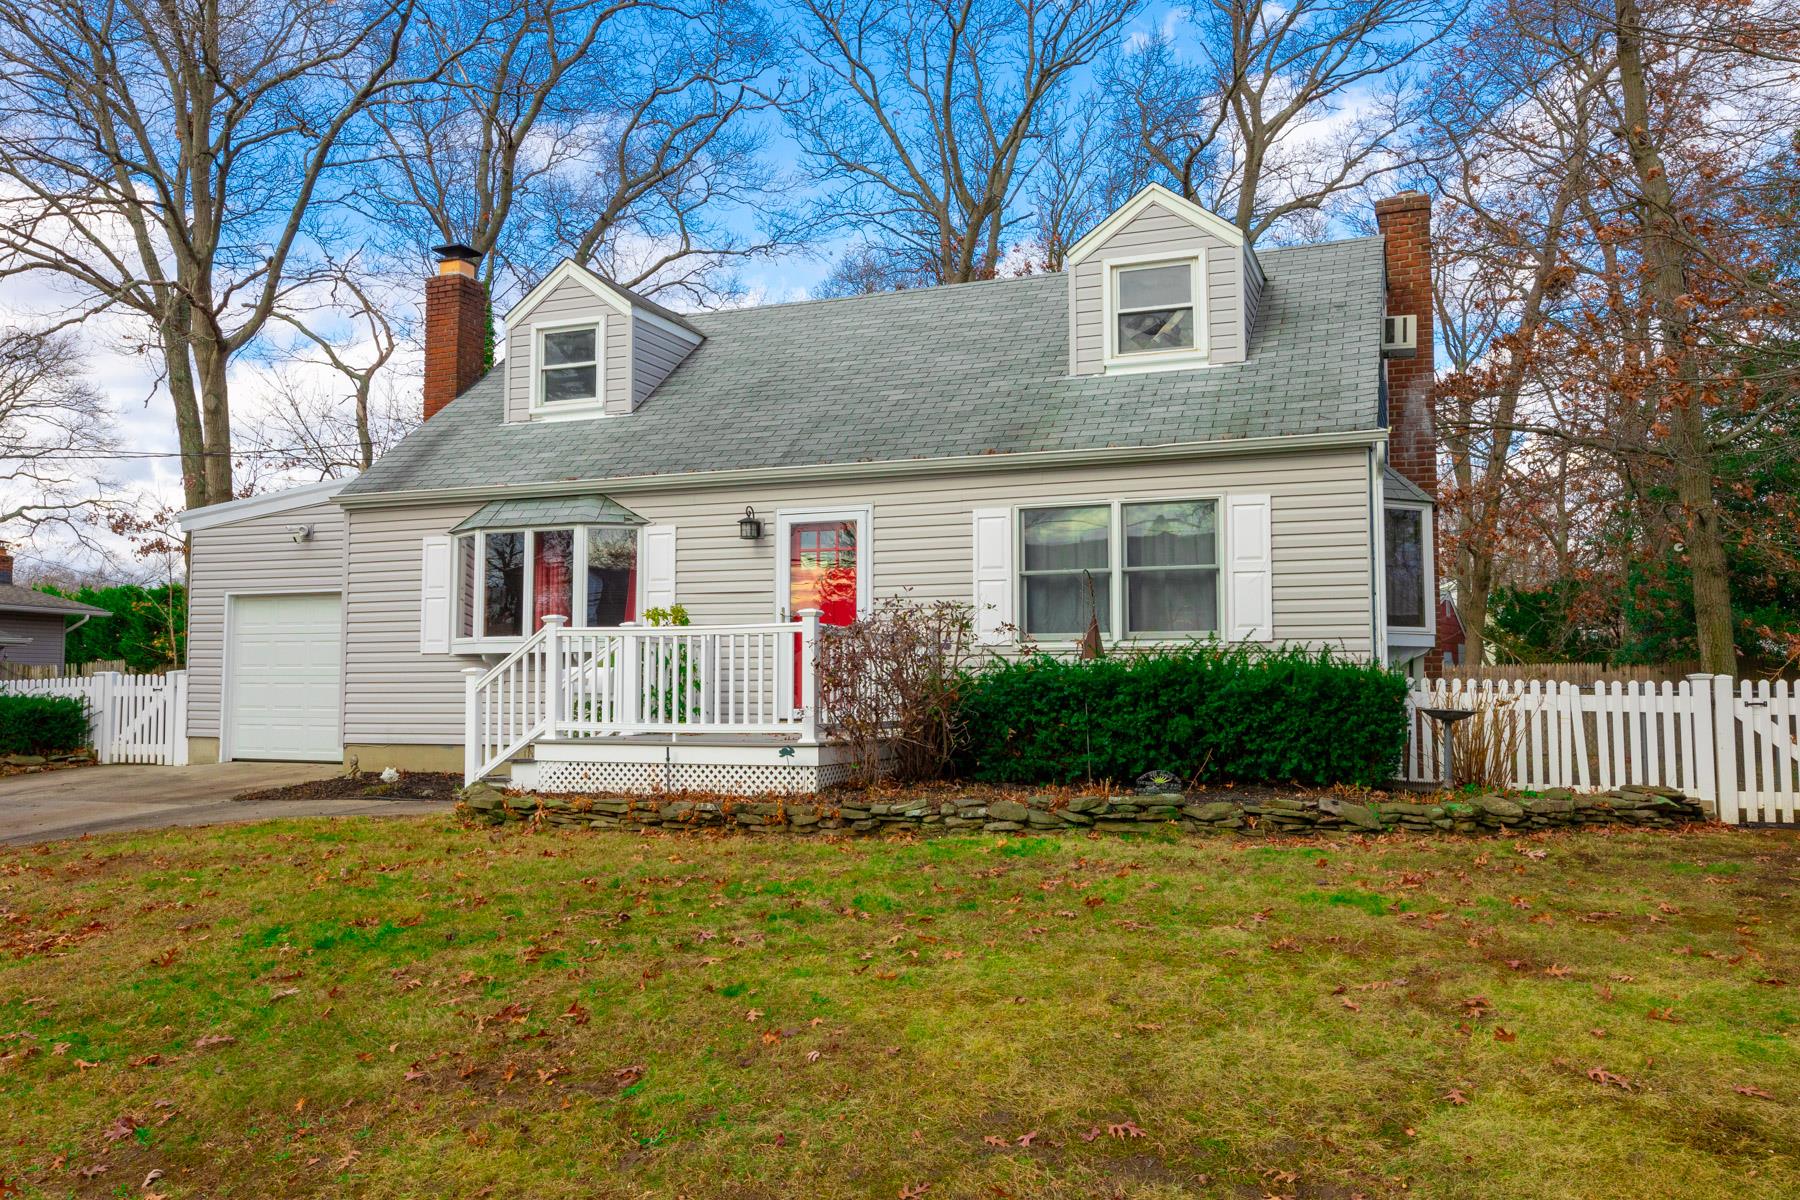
172,333
1664,258
215,419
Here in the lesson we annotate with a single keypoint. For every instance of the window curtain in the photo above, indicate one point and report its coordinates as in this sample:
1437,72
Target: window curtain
552,575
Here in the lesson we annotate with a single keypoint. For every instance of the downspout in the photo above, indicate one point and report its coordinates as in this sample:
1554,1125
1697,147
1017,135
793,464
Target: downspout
1377,548
83,620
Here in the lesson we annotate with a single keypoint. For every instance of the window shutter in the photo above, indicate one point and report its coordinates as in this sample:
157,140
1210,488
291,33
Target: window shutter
993,574
1249,563
434,596
658,566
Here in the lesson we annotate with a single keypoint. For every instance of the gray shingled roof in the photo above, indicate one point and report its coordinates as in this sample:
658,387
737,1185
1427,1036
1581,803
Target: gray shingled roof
975,369
1399,487
592,509
14,598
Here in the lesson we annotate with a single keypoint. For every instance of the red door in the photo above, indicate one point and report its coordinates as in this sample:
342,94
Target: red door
821,575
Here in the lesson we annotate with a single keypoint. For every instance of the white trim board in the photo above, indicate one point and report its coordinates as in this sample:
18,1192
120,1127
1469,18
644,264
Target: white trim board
233,511
1156,194
886,468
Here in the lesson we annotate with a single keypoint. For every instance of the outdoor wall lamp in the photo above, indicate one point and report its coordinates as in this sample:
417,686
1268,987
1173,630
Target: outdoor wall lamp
750,526
300,533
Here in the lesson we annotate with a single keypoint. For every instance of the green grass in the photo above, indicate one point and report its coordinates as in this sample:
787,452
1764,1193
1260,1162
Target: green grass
421,1010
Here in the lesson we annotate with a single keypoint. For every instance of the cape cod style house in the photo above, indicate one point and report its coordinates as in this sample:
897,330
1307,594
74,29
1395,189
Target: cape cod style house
1178,435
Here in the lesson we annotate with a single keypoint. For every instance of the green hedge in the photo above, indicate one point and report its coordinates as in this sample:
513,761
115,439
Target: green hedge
1208,714
42,724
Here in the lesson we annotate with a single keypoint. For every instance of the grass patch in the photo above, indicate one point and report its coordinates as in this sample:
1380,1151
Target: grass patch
311,1008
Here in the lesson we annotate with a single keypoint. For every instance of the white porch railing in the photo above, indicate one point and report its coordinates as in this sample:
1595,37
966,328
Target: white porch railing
674,679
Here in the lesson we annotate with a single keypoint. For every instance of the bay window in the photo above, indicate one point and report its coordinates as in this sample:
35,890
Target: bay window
509,580
1165,583
1405,559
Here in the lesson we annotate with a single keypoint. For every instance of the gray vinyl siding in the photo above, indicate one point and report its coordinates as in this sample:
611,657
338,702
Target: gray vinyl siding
921,544
655,351
253,555
393,693
1154,231
570,301
46,633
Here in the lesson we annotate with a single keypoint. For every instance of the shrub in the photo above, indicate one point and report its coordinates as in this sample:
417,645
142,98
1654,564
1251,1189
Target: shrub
42,724
1208,714
889,684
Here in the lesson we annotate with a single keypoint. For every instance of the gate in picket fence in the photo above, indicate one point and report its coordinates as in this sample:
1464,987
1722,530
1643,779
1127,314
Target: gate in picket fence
131,718
1734,744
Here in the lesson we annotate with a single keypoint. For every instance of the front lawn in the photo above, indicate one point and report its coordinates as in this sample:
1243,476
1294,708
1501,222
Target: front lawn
414,1009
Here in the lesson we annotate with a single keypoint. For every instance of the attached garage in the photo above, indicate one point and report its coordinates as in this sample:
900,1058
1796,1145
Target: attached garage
283,660
266,627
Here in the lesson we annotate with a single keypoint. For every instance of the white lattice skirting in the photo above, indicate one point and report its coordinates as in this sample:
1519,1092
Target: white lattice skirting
598,766
730,779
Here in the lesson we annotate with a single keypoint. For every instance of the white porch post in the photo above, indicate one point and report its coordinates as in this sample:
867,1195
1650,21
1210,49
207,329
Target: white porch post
553,623
809,675
471,724
630,707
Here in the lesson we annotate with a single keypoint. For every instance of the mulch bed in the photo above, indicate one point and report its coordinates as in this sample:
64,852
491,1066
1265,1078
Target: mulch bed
366,785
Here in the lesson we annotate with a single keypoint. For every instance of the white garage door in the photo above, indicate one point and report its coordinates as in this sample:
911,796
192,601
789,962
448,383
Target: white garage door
285,653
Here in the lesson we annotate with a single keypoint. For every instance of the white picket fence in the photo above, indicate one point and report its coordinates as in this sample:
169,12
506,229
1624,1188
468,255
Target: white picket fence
1736,744
131,718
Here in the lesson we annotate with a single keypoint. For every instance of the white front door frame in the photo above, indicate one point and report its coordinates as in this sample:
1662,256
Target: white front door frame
863,516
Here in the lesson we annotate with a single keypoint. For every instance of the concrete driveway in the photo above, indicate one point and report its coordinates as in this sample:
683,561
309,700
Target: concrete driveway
68,804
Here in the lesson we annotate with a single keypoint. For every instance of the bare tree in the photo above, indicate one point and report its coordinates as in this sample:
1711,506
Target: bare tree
1288,106
170,159
348,333
614,131
56,432
925,118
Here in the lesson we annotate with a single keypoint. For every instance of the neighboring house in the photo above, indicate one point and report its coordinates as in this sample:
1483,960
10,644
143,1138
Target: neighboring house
33,623
1179,435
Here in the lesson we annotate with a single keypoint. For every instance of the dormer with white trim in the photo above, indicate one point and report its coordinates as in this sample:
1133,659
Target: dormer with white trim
1161,285
580,346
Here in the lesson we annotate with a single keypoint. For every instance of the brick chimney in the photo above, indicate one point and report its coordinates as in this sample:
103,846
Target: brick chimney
455,326
1405,221
5,565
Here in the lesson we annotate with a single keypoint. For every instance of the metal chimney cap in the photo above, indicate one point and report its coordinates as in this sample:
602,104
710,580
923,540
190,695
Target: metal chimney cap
456,252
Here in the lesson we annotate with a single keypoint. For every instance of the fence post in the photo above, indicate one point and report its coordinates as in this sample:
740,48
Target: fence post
1725,749
177,725
809,675
1704,770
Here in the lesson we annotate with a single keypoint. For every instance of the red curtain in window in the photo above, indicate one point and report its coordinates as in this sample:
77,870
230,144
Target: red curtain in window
631,592
552,576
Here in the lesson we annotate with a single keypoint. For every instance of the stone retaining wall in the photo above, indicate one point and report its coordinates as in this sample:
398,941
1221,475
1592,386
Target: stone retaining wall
1128,813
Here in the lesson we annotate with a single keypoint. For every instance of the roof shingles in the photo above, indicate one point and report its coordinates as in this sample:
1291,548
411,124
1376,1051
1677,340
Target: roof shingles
975,369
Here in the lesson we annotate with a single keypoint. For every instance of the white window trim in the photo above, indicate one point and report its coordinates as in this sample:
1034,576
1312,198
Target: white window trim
478,594
863,516
566,409
1411,636
1163,360
1116,570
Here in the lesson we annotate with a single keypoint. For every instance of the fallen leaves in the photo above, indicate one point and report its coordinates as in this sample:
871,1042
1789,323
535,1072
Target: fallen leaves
208,1040
1124,1129
1606,1078
1744,1089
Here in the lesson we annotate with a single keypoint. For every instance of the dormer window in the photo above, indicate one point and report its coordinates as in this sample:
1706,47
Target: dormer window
568,366
1154,313
1156,308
